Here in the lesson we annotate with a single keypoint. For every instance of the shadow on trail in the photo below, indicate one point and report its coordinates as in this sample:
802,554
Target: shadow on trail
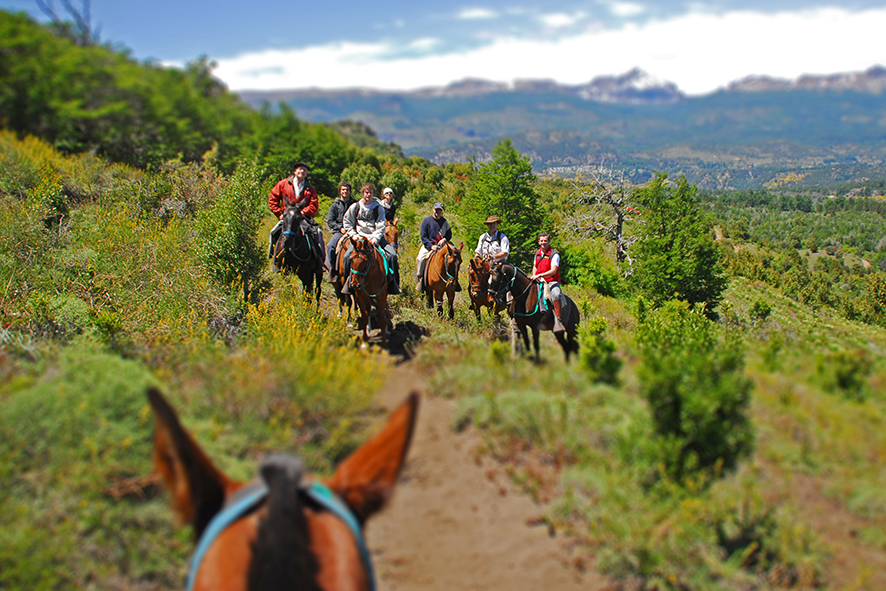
403,339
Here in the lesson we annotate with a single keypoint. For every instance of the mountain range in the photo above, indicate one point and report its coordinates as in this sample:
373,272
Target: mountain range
756,131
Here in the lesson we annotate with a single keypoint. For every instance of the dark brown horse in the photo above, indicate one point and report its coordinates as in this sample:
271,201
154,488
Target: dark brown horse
284,530
479,271
443,266
293,253
369,284
529,308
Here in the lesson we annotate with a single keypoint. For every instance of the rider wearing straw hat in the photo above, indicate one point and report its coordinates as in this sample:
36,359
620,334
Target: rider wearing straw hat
493,244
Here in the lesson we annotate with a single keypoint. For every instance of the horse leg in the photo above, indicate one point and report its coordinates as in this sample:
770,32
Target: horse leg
450,295
525,335
429,297
382,304
564,344
439,302
535,343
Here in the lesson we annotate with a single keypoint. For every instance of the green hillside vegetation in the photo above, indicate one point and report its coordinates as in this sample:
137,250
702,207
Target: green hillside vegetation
734,442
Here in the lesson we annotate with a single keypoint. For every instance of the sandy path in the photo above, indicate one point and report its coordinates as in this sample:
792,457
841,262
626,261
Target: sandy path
451,526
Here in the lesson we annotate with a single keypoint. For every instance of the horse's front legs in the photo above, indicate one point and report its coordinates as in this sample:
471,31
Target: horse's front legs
450,296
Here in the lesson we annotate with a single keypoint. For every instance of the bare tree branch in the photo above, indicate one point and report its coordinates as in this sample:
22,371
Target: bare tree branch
602,206
82,19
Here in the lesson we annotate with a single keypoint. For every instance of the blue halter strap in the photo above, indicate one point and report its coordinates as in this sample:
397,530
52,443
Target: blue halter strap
245,499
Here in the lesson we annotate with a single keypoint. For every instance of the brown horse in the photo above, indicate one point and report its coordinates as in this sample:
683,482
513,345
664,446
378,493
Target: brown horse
293,253
442,273
285,530
369,284
528,307
392,234
479,271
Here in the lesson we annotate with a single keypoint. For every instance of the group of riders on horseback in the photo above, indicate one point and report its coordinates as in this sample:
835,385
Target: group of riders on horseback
349,220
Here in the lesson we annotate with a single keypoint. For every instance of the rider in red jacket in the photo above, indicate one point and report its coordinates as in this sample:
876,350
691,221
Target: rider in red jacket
296,190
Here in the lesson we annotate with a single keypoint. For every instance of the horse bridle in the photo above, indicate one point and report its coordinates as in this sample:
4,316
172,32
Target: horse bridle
366,272
449,278
247,498
497,294
475,290
292,252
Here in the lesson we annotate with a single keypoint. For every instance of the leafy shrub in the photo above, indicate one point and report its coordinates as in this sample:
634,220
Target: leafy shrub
360,174
692,376
597,354
846,373
760,311
228,229
579,266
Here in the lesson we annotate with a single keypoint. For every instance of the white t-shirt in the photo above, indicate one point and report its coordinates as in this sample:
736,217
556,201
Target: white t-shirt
489,245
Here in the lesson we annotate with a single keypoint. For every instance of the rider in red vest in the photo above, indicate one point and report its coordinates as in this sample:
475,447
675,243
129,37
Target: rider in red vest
547,268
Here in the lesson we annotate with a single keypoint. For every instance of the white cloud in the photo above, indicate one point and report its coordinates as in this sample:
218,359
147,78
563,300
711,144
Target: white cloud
559,20
470,14
424,43
698,52
626,9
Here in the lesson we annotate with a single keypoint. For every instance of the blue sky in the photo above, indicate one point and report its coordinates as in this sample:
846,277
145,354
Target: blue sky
699,45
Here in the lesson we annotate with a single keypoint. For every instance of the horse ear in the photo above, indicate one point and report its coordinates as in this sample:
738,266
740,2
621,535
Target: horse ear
198,488
461,245
365,481
396,220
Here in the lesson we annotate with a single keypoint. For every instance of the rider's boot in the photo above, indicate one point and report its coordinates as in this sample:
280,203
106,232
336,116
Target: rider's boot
346,278
558,325
393,287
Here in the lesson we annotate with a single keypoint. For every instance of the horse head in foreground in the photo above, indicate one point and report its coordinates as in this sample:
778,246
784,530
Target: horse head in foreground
479,272
284,530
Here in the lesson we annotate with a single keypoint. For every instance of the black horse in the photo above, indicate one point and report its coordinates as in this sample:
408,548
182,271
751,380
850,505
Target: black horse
293,252
529,308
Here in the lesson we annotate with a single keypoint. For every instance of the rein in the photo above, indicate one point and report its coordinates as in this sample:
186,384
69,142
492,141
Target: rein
449,278
366,272
283,251
497,293
245,499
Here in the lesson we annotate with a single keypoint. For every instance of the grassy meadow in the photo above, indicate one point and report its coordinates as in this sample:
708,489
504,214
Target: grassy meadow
104,292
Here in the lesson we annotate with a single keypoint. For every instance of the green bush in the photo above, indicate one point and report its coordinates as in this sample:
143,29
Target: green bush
846,373
360,174
692,377
228,230
597,354
582,267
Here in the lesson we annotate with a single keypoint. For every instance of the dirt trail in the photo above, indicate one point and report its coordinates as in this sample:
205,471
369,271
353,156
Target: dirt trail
450,526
